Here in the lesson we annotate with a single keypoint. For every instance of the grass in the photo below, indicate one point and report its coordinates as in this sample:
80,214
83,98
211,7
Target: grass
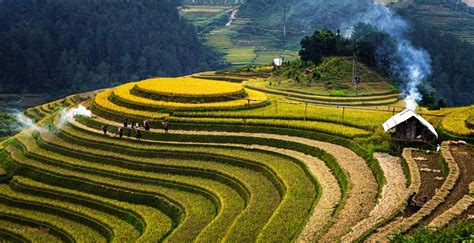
325,127
462,232
281,169
231,204
22,230
202,16
236,54
75,225
200,204
334,73
292,197
249,225
67,227
108,225
241,56
138,215
269,86
37,169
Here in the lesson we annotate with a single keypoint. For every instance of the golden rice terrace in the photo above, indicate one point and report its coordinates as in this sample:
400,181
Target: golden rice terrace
237,165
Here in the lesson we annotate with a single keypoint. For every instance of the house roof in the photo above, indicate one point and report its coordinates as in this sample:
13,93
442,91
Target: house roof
404,116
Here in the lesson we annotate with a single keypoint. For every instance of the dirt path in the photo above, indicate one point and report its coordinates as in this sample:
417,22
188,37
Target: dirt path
458,200
392,197
329,198
405,223
381,233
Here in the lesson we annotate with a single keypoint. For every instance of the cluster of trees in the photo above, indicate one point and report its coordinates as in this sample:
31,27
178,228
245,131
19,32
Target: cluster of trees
62,47
323,43
452,79
373,48
452,60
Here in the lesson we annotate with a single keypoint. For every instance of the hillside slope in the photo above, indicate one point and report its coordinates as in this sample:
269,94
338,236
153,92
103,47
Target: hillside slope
68,46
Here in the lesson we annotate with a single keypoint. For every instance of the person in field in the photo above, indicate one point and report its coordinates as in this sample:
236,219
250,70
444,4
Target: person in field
411,199
166,126
120,132
104,129
146,125
125,122
129,131
138,133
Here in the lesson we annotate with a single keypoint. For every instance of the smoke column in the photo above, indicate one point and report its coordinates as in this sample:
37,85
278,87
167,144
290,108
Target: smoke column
67,114
25,122
414,65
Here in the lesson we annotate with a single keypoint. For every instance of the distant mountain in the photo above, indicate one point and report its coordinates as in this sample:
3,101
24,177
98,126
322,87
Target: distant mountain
303,16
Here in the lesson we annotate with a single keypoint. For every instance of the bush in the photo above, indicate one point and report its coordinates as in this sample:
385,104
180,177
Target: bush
338,93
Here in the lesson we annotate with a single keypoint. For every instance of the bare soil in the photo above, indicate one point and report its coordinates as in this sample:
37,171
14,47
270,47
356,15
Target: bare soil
464,157
392,197
431,178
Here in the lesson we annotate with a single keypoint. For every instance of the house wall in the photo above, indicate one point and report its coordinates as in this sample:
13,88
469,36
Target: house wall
410,130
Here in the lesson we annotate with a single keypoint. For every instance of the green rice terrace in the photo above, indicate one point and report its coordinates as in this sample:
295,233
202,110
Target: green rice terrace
199,159
220,28
445,20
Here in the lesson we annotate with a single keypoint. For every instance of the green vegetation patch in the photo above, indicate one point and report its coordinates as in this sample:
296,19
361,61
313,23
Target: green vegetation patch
333,77
462,232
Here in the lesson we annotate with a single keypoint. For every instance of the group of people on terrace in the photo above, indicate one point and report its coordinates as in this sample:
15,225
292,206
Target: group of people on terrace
128,127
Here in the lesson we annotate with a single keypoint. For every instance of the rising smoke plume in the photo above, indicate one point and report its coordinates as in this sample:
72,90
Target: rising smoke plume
25,122
414,64
68,114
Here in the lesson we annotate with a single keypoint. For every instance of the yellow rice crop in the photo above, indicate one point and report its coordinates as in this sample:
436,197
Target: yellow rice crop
354,117
189,87
455,122
102,100
123,93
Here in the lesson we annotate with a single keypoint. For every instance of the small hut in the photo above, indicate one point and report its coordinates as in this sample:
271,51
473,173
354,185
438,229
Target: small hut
410,127
278,62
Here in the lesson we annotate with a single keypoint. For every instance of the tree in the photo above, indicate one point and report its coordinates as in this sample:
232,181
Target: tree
70,46
374,48
321,44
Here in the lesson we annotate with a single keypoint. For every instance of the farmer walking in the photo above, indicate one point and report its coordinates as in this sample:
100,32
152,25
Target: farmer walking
165,126
138,133
104,129
125,122
120,132
146,125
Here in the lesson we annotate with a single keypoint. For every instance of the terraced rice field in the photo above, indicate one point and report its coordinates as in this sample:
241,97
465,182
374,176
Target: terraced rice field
203,15
244,171
377,99
237,51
